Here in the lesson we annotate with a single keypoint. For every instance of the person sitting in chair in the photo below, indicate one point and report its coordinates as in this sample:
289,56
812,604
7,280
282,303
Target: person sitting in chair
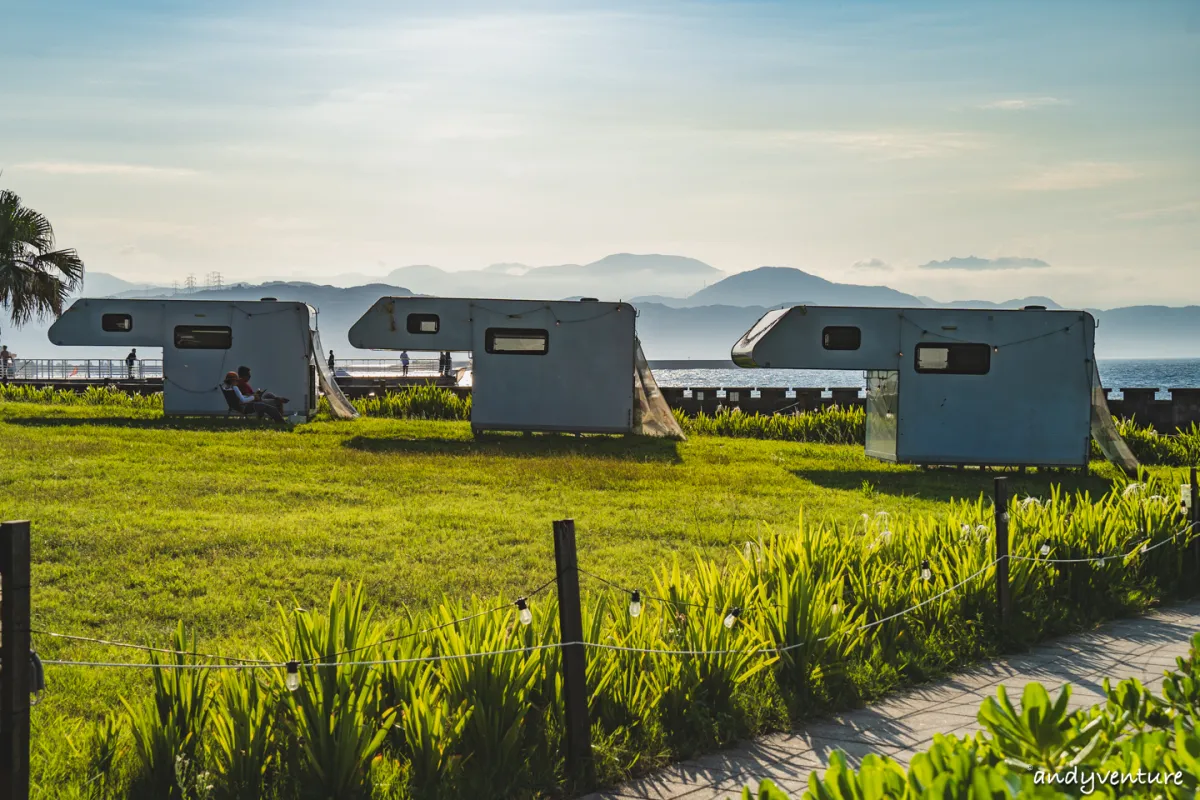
246,403
258,394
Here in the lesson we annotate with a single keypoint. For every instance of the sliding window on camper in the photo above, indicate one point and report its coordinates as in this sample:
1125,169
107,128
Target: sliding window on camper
954,359
116,323
423,323
203,337
517,341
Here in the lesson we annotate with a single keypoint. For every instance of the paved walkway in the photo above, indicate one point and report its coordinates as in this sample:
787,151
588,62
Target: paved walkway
1140,647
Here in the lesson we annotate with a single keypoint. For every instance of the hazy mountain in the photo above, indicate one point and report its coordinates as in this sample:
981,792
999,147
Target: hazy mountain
611,278
774,285
101,284
1148,332
1021,303
700,324
673,302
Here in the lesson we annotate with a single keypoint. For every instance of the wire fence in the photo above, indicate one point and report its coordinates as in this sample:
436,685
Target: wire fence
334,661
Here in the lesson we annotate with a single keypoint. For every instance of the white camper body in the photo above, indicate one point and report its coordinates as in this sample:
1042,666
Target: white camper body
538,365
950,385
201,341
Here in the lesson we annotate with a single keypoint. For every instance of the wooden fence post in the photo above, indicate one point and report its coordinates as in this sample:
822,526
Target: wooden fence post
15,673
574,658
1003,599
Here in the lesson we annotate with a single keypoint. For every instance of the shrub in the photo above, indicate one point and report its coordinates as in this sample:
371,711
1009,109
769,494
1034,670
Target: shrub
829,616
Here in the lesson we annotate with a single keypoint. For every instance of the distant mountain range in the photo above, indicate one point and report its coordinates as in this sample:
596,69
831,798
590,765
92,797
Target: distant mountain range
687,309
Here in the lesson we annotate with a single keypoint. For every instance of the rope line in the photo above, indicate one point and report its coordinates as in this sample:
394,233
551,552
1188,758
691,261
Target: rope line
148,649
411,634
253,664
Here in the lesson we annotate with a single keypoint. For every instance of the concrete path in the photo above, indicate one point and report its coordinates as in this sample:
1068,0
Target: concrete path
903,724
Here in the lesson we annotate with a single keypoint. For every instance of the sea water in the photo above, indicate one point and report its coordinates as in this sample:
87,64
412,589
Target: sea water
1115,373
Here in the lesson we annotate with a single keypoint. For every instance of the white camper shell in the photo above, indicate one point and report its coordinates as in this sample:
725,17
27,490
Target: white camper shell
949,386
538,365
201,341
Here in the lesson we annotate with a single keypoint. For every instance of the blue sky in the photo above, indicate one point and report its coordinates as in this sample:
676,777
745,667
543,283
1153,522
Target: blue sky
857,141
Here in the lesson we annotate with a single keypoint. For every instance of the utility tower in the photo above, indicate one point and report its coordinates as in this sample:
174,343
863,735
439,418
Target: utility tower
189,283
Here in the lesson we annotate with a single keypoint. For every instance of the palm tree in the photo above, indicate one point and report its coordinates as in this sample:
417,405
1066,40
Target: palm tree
35,279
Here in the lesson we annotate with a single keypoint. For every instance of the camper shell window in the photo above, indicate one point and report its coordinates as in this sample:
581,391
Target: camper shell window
116,323
423,323
841,337
203,337
517,341
954,359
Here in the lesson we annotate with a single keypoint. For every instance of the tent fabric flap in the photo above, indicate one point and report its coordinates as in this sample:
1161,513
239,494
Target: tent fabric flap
651,414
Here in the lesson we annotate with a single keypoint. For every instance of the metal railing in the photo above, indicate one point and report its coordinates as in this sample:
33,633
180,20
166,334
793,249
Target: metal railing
96,369
386,367
68,369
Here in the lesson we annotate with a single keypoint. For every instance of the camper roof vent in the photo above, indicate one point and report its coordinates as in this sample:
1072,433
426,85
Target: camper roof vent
1033,308
268,299
589,300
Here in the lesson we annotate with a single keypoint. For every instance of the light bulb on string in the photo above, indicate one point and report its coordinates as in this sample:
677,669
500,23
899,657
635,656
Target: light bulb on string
926,573
635,604
37,678
1044,550
526,616
732,617
292,679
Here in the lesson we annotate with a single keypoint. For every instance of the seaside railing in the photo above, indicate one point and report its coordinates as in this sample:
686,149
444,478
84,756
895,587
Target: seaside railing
116,369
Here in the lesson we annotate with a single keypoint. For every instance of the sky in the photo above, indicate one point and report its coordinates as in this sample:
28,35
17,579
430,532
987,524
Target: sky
958,150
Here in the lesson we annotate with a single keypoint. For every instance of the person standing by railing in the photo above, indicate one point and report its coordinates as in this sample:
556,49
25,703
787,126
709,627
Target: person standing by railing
130,360
6,362
404,363
332,362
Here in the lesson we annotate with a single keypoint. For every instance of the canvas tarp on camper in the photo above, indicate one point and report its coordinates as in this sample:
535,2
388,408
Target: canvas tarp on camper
1104,432
339,404
651,414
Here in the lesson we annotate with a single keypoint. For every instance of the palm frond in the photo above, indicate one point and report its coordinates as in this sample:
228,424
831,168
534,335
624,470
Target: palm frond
35,279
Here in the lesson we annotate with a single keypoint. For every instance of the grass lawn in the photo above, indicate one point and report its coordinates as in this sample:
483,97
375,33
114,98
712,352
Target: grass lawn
139,521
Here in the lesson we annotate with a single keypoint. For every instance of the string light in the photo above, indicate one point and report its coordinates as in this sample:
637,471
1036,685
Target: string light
1044,550
926,573
526,616
635,604
38,678
732,617
292,679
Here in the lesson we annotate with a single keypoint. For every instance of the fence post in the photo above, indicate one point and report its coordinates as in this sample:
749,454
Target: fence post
1003,600
574,659
14,656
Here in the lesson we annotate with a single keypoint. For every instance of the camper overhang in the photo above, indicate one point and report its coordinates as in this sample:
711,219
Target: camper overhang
201,341
538,365
949,385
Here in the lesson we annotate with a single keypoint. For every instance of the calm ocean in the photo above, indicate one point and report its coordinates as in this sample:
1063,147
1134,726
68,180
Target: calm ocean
1114,373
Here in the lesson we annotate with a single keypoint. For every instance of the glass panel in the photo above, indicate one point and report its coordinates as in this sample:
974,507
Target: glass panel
203,337
841,337
116,323
518,341
933,358
423,323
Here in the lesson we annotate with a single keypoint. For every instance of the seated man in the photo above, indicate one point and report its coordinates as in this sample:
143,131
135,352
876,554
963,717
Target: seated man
246,403
258,394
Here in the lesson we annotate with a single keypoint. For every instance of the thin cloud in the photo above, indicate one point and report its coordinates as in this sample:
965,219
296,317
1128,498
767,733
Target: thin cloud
872,264
1077,175
900,144
93,168
976,264
1024,103
1187,210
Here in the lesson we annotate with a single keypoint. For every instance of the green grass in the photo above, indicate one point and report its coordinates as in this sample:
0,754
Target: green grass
141,522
